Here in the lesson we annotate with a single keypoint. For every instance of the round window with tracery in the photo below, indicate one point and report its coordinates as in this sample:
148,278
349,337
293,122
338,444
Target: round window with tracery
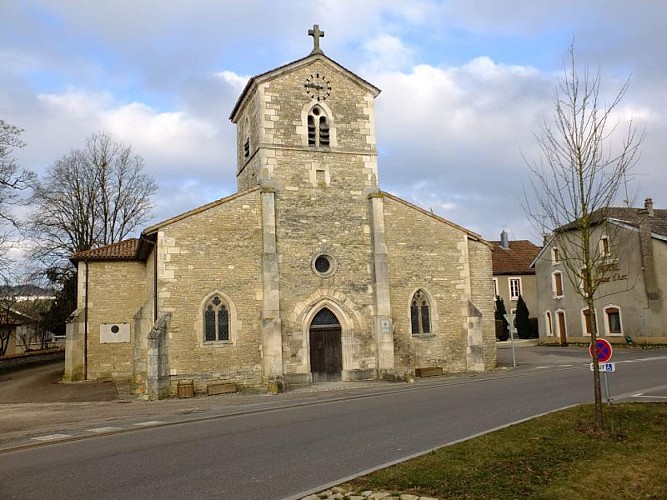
324,265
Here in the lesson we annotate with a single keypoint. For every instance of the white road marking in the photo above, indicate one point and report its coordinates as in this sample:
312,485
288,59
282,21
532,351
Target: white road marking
101,430
51,437
150,422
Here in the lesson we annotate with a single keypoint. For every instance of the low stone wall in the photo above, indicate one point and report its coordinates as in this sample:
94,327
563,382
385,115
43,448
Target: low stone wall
15,361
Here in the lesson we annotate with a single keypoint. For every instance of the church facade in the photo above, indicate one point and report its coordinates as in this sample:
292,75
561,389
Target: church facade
308,273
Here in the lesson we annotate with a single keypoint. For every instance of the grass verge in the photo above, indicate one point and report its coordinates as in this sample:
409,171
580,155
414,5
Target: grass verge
552,457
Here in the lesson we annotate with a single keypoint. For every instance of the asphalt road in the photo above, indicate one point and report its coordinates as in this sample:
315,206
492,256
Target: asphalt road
287,451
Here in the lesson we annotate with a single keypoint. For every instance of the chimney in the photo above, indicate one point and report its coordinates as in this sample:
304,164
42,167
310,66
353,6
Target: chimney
648,205
504,240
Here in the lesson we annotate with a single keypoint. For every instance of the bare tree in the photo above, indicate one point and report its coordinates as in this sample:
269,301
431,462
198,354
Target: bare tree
583,167
13,181
90,197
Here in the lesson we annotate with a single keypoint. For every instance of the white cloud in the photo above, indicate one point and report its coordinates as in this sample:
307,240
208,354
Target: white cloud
388,52
238,82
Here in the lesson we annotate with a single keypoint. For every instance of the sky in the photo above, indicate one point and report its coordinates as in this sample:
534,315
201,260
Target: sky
466,85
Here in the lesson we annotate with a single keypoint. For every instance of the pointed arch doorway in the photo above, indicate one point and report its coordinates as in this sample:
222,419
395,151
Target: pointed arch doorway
326,353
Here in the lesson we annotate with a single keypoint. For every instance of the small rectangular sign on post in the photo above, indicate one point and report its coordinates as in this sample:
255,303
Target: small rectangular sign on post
605,367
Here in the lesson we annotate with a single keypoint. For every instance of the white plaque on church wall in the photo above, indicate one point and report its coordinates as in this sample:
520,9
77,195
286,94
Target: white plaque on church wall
112,333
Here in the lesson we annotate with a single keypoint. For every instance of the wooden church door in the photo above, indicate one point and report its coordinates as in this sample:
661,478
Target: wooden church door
326,353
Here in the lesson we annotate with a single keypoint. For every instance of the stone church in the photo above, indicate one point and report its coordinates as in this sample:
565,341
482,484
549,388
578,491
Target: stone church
309,273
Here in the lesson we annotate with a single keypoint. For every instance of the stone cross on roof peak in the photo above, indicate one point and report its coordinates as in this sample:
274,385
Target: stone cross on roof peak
316,34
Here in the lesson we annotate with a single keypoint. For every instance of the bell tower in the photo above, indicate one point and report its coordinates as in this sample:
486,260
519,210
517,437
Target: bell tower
297,122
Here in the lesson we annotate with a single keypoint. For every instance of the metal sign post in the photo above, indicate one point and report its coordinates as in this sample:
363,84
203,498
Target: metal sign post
603,352
606,388
510,321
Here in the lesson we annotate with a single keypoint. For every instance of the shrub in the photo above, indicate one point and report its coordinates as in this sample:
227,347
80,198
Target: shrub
502,330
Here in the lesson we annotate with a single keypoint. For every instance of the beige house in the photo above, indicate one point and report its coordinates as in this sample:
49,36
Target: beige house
513,275
308,273
630,249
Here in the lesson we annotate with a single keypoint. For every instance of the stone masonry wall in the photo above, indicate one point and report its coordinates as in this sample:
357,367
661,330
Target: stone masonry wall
215,250
322,208
248,130
426,253
116,292
482,296
334,220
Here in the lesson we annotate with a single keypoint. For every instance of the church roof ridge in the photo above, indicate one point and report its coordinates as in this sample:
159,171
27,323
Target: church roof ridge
197,210
437,217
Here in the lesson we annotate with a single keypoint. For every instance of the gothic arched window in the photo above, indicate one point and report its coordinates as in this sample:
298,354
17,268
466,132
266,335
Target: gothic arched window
318,128
420,313
216,320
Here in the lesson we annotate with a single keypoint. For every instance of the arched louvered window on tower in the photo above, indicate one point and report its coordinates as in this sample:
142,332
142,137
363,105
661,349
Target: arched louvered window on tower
324,132
318,128
420,313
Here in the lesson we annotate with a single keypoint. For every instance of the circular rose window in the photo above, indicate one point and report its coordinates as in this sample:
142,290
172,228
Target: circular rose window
324,265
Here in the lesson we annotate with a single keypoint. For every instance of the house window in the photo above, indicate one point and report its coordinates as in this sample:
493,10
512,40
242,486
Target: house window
557,284
495,287
549,328
515,288
604,246
586,321
216,320
420,313
555,256
318,128
613,320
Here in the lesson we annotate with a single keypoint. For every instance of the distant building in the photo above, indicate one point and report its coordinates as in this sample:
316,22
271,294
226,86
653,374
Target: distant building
18,331
631,247
513,274
20,305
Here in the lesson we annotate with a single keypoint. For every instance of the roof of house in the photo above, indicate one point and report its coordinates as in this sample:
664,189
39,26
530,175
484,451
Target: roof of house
123,250
657,223
514,260
625,216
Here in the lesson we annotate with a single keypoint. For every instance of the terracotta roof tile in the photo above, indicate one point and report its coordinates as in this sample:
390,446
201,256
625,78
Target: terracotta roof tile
514,260
123,250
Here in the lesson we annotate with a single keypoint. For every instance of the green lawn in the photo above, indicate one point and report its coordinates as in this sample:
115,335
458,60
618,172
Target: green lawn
555,456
